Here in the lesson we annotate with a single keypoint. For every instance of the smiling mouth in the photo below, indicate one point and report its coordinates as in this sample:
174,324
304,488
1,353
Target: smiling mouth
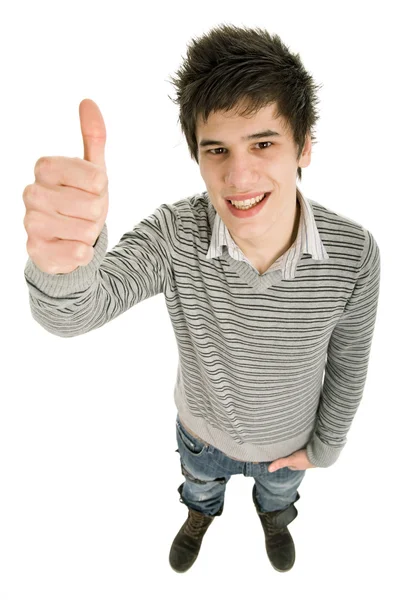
265,195
246,208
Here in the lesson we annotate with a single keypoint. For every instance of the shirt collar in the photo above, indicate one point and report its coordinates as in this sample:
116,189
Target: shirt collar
308,240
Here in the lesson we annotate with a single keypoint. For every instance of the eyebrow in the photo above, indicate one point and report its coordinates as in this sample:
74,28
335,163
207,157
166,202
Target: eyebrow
253,136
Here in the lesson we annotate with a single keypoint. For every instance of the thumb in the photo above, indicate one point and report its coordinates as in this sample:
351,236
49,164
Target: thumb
93,131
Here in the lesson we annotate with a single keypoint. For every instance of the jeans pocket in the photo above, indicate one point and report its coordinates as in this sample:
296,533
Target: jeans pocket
188,442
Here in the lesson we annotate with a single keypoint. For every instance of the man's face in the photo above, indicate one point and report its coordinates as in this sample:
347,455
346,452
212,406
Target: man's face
233,165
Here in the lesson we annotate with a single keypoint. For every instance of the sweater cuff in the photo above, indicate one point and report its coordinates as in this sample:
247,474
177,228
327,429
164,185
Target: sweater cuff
61,285
321,454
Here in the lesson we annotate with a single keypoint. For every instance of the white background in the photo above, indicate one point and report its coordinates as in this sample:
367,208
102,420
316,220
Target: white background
88,471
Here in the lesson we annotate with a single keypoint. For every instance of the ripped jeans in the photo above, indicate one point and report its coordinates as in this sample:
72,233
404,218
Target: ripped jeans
207,471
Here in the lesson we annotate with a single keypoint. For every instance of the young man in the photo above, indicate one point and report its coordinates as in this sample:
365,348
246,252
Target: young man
267,290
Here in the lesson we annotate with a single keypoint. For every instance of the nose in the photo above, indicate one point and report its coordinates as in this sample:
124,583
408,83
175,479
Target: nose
240,173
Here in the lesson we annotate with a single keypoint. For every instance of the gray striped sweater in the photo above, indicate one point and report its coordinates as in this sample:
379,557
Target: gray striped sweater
268,364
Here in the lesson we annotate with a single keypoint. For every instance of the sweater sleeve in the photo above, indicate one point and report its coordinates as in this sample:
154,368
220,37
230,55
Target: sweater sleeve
138,267
347,361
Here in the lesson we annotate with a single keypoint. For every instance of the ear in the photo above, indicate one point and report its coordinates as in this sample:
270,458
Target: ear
305,157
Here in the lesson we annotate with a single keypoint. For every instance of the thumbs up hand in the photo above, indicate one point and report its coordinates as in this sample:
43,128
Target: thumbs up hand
67,205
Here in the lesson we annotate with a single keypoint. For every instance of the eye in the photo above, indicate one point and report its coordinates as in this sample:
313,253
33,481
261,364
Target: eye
265,143
214,152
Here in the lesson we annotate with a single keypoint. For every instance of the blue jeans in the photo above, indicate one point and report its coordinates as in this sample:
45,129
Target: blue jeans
207,471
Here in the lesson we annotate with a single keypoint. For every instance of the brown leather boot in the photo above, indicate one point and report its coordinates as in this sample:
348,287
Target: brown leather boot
187,543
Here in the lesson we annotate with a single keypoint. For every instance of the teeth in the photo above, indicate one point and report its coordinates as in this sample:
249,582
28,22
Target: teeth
247,203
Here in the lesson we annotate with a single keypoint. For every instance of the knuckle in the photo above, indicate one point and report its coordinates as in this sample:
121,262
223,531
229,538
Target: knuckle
32,194
31,247
95,209
91,233
79,252
27,192
28,223
42,165
99,181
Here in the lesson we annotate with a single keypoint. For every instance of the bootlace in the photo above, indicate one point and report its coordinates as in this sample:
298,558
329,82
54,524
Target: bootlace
272,528
196,523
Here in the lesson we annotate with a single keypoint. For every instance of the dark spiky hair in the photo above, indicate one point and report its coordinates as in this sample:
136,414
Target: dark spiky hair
244,69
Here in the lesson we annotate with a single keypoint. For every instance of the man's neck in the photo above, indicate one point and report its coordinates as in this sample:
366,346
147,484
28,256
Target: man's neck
263,257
